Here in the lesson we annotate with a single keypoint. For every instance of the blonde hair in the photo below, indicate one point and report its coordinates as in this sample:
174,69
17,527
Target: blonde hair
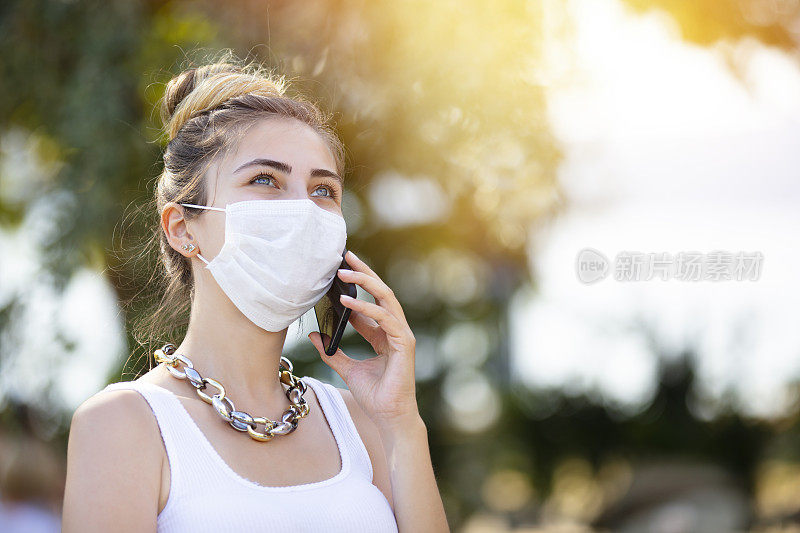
218,83
205,110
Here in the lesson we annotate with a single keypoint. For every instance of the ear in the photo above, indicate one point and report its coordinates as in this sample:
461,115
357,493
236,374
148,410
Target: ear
174,226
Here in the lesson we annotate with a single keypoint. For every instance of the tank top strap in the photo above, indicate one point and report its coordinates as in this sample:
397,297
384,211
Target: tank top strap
187,465
339,416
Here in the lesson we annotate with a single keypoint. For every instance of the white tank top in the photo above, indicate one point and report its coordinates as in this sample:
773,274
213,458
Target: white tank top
206,494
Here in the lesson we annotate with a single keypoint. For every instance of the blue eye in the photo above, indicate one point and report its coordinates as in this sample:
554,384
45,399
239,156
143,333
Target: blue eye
261,176
332,193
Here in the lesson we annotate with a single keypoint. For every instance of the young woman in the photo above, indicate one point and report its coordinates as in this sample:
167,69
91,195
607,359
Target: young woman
251,230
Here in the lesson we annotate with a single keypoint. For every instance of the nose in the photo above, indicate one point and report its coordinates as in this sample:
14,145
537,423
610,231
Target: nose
297,191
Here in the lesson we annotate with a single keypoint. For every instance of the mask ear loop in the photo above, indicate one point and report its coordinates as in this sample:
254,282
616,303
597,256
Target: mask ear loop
203,259
205,207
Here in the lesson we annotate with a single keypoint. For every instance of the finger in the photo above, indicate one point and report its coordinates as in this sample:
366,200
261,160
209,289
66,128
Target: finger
359,265
388,322
339,361
364,325
377,288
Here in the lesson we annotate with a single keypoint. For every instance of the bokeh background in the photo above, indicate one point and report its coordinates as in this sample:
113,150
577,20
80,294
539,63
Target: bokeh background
488,142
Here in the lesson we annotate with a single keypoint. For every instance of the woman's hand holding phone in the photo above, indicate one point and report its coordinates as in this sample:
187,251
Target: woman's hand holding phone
384,386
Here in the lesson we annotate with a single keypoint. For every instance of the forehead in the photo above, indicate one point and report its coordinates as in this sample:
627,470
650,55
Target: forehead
282,139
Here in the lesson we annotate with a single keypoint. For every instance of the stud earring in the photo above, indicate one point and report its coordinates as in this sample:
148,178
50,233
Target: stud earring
188,247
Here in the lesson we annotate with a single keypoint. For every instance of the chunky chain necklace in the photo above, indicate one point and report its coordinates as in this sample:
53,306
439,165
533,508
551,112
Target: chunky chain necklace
241,420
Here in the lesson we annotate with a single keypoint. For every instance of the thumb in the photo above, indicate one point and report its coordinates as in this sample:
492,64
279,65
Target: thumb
339,361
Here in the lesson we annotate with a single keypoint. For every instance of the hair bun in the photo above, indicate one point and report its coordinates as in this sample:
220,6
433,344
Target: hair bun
196,90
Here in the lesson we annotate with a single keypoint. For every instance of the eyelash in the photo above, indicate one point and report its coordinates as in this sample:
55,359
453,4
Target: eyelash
333,194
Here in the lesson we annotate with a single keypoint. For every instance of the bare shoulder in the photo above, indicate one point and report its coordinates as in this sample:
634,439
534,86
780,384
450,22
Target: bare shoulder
100,402
113,414
371,437
113,464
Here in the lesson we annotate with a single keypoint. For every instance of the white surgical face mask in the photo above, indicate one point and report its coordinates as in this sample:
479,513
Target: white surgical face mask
279,259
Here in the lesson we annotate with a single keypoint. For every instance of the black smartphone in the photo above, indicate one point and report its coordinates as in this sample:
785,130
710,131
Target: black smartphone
332,316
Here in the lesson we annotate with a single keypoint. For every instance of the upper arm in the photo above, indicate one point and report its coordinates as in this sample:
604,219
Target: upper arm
372,441
113,465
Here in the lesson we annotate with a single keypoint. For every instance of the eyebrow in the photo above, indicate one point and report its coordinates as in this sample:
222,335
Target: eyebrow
283,167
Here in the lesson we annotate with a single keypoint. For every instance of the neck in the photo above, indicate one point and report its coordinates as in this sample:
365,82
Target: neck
225,345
